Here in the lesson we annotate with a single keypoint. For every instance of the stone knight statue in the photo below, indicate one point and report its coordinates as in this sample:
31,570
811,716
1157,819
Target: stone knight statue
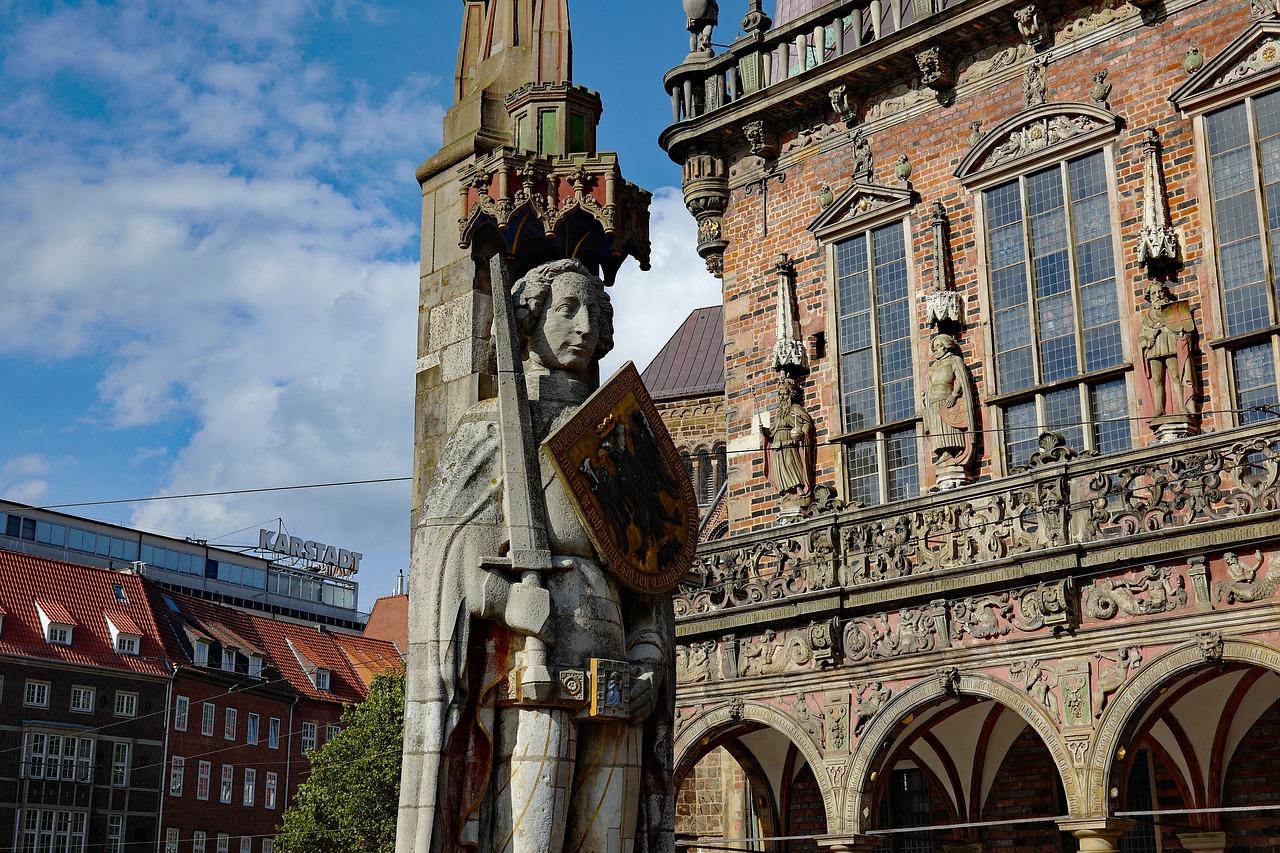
505,747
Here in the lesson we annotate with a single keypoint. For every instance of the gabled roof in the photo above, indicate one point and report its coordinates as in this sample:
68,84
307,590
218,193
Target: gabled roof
323,649
389,621
692,362
367,656
83,596
124,623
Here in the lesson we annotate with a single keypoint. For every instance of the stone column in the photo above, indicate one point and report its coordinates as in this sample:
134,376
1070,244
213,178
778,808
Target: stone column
1204,842
1096,835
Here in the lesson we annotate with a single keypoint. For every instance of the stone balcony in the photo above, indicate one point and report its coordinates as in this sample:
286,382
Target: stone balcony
861,44
1038,529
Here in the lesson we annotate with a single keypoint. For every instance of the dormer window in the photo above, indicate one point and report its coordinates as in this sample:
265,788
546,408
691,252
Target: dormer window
228,659
321,679
255,666
126,638
201,652
55,623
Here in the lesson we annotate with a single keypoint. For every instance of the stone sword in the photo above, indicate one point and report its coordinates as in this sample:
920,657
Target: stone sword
529,553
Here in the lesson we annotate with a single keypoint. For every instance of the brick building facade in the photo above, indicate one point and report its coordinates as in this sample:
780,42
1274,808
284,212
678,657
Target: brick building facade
134,718
1010,258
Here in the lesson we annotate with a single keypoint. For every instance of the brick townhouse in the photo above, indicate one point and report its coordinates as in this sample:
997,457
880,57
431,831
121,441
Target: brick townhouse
171,722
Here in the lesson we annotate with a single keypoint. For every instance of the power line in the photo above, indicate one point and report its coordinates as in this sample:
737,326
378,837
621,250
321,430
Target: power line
228,492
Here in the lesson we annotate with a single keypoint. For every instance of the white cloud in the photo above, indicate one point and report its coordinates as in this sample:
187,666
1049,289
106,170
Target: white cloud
650,306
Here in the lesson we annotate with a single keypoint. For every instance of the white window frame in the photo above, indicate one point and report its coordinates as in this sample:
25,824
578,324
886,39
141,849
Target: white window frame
310,732
120,765
171,840
208,716
227,784
177,775
252,726
36,694
228,659
231,719
200,652
273,733
126,703
224,843
181,711
115,833
250,786
269,791
198,838
82,699
204,778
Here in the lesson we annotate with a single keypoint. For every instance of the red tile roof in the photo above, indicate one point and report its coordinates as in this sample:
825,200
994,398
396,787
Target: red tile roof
84,595
123,623
55,612
692,362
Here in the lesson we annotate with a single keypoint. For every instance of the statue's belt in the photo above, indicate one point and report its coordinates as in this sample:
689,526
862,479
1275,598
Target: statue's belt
599,690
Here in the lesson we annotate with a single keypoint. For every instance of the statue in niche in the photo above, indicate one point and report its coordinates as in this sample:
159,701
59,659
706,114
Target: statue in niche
701,18
950,413
1165,343
788,455
477,710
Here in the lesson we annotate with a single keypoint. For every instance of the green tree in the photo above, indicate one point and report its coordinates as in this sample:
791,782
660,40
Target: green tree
348,804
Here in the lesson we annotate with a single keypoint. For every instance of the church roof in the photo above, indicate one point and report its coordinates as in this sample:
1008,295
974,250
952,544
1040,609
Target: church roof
692,362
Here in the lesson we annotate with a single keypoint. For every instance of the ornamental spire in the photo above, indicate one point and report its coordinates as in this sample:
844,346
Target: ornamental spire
513,40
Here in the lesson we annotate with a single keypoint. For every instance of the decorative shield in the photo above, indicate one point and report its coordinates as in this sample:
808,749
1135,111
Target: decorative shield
628,484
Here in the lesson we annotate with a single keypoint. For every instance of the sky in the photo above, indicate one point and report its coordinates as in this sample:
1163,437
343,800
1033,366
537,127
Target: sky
209,252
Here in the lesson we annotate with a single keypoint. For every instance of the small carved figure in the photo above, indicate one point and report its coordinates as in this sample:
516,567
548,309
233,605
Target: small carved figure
1100,91
788,454
870,700
1212,645
935,68
810,721
949,678
1150,591
1110,678
1165,342
863,163
701,18
756,657
1052,450
1244,584
1034,83
950,413
1038,681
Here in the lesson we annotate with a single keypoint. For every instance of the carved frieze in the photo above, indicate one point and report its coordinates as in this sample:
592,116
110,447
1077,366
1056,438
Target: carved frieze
1152,590
1039,134
693,662
1113,672
807,718
837,723
772,653
887,635
761,572
993,59
1092,18
1247,583
1074,683
995,615
1038,680
896,100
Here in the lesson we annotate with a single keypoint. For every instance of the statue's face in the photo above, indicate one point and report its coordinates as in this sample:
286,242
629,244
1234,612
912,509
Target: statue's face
568,332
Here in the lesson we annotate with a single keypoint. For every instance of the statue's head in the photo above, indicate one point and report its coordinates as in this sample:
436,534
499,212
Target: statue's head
942,343
563,316
1157,293
788,390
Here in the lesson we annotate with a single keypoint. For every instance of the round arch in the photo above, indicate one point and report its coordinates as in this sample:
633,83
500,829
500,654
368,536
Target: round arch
930,690
721,719
1134,696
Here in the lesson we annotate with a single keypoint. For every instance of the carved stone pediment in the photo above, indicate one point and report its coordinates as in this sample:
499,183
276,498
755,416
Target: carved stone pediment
1232,72
861,202
1055,130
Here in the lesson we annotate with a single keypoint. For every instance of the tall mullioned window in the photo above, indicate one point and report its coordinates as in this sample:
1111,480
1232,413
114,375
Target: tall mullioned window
1244,173
1056,309
877,370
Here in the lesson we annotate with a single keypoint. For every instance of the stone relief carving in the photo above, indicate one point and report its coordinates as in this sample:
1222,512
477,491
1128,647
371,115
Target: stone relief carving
949,679
1073,683
845,108
759,140
1212,645
760,572
1035,81
1038,680
772,653
1265,56
1151,590
1030,28
936,70
910,630
993,59
1262,9
1040,134
897,99
1113,672
824,642
706,195
1051,449
1100,91
1092,18
1244,583
837,732
693,662
868,700
808,719
860,156
1026,610
1222,482
810,136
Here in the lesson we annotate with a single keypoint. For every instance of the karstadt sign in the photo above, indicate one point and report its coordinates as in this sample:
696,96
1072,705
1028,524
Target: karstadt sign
337,562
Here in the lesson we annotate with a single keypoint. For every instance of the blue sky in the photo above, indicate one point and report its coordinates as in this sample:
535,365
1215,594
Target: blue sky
208,250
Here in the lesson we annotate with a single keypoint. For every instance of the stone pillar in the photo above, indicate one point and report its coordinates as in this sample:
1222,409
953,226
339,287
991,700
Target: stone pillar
1204,842
1096,835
